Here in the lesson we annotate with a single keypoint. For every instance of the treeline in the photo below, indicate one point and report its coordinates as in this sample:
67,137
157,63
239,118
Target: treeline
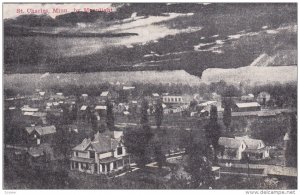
282,95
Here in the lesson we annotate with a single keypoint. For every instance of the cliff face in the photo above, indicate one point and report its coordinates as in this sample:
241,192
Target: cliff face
192,37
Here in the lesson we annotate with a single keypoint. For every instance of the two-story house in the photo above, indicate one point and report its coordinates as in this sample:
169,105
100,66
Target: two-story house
103,155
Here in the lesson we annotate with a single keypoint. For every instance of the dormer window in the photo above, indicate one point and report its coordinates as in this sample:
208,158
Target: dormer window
119,151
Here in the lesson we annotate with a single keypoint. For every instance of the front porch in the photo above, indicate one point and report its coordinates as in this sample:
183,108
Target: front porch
106,166
111,165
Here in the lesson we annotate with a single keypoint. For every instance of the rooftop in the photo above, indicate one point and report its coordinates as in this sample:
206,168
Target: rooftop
230,142
42,130
248,104
104,93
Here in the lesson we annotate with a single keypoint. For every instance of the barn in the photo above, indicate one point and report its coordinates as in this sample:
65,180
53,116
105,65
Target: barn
246,107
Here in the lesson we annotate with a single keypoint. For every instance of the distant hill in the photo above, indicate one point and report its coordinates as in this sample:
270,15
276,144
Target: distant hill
192,37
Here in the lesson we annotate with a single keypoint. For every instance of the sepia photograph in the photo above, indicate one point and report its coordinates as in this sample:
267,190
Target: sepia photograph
150,96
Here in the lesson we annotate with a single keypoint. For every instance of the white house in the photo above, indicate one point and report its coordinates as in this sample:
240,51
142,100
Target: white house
172,99
239,148
103,155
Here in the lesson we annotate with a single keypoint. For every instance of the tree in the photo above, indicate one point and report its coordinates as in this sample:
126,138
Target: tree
110,119
199,167
136,143
144,113
213,129
227,116
291,151
160,158
159,112
94,122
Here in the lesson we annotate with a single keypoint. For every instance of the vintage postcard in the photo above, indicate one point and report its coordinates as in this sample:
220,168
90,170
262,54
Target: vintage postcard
150,96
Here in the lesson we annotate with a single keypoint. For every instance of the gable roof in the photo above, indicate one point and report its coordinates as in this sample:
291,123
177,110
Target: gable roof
29,129
83,145
104,143
101,143
28,109
286,137
252,144
45,130
83,108
248,104
128,87
230,142
104,93
100,107
41,130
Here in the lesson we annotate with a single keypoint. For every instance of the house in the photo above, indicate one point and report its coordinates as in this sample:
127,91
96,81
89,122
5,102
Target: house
35,117
246,107
105,154
39,134
57,97
108,95
233,148
105,94
26,108
101,110
128,87
255,150
248,98
239,148
206,105
172,99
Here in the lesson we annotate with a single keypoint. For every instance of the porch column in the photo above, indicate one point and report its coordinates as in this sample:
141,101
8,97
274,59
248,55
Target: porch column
105,166
129,160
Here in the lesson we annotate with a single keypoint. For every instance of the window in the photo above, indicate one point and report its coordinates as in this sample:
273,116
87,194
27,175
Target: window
76,165
103,167
96,168
92,154
120,151
75,153
115,165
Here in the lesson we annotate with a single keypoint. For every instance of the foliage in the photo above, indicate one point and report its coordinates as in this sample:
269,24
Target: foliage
227,116
213,129
110,119
199,167
159,112
144,112
136,142
271,129
291,151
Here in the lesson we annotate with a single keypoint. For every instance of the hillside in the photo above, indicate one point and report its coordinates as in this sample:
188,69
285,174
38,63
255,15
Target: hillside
192,37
